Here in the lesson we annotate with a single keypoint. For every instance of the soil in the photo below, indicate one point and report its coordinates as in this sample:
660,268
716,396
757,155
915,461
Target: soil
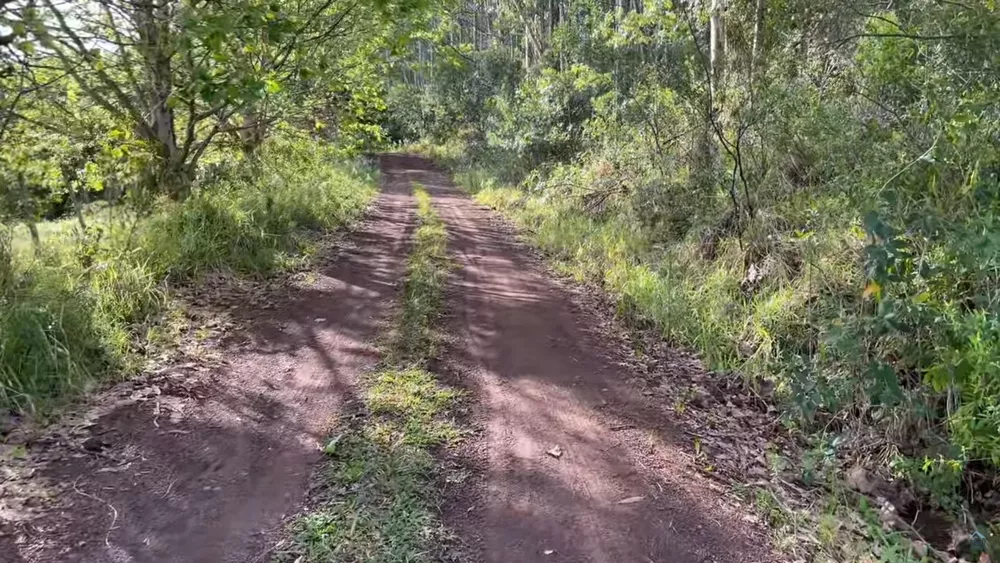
571,458
216,485
574,461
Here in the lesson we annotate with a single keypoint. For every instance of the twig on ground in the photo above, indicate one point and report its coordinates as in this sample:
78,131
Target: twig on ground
114,511
609,448
169,487
260,557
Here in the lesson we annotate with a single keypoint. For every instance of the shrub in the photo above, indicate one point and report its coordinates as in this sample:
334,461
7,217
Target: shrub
75,314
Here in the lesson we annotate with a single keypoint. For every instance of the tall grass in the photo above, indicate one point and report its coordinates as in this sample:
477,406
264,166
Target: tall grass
76,314
913,360
691,301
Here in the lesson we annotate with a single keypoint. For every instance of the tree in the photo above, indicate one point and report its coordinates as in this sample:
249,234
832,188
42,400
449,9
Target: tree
180,73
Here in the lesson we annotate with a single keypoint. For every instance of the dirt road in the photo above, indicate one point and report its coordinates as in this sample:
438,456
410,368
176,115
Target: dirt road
214,485
573,462
570,461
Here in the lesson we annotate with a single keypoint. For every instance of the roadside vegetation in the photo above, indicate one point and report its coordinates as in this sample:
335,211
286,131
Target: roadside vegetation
377,499
145,144
803,193
81,308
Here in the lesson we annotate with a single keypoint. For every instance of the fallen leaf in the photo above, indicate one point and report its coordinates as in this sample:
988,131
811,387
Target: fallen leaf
555,452
630,500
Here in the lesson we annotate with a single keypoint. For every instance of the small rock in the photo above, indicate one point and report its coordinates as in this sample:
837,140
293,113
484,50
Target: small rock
555,452
7,424
94,444
859,479
701,399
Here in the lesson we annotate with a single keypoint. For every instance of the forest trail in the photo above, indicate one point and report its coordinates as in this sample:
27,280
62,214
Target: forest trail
571,462
216,486
568,459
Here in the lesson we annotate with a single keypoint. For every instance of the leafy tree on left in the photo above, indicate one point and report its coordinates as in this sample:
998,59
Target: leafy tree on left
130,95
174,73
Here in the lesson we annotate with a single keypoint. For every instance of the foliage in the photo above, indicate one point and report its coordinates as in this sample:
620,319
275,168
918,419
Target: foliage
805,193
121,99
183,137
79,311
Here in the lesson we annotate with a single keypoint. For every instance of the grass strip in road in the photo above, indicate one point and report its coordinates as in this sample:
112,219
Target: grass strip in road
377,494
413,341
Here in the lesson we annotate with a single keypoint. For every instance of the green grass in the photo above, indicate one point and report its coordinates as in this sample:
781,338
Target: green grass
57,229
81,311
378,497
807,328
426,272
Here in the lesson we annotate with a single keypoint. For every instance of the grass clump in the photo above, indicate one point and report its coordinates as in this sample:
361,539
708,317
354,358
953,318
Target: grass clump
378,501
81,309
426,273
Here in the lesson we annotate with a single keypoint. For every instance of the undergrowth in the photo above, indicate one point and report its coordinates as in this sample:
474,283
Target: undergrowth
377,502
82,309
815,329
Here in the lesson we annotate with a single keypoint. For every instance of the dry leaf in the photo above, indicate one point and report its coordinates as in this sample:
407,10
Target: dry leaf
555,452
630,500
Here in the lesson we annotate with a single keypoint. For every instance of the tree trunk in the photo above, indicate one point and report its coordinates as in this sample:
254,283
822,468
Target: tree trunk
152,18
36,240
527,56
78,209
253,132
758,46
758,33
717,49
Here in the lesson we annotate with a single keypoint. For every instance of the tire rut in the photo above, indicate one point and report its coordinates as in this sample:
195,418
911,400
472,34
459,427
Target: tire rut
216,486
572,462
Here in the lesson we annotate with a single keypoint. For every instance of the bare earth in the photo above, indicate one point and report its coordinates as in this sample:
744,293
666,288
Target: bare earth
545,376
215,486
570,461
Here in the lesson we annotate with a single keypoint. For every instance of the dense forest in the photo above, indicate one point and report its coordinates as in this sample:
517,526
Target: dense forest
144,143
805,193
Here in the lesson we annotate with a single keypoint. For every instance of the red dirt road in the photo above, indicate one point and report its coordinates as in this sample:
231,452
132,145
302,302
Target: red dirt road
215,486
543,376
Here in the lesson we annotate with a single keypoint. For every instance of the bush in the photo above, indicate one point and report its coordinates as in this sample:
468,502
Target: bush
74,315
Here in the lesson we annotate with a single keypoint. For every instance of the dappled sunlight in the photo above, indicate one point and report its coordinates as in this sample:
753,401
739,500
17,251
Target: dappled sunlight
577,461
216,461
